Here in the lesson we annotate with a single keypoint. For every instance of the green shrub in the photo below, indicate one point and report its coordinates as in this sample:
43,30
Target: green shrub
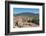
35,20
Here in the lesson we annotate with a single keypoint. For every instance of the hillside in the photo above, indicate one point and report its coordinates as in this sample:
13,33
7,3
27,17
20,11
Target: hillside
26,14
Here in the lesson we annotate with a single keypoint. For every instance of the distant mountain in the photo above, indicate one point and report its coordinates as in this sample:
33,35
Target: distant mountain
25,14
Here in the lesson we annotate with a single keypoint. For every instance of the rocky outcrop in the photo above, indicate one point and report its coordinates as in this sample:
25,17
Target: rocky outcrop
22,21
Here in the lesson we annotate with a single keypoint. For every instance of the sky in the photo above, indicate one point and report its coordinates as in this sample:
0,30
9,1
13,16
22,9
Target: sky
22,10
